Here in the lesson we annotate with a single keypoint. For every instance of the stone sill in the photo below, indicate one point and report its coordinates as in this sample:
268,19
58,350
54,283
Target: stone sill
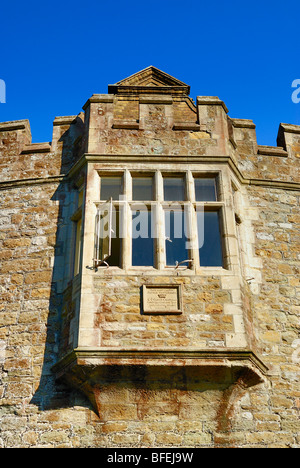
105,356
166,271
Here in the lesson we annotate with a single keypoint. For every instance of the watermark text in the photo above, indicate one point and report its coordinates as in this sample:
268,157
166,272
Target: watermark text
296,93
177,219
2,92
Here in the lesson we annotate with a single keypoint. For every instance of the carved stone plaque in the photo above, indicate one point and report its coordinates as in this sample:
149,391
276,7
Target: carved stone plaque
162,299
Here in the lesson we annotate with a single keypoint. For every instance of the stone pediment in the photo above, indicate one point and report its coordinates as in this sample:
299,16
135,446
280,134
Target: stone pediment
149,81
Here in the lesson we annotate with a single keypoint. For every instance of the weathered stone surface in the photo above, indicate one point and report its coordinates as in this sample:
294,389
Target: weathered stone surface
249,310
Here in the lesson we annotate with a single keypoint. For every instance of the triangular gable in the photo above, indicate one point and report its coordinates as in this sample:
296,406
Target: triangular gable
150,78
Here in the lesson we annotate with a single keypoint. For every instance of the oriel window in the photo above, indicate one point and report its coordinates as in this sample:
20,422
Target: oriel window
155,220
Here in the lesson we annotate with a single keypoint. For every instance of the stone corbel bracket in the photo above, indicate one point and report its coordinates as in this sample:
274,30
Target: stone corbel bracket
85,368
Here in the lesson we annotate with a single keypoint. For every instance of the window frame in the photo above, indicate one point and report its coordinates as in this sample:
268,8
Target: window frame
78,226
160,205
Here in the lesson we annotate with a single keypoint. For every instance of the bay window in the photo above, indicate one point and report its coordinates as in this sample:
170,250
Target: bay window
159,220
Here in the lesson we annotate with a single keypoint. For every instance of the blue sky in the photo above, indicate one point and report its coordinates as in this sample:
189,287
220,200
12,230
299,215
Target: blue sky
55,55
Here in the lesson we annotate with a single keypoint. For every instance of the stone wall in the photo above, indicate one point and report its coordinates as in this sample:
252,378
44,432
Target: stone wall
45,312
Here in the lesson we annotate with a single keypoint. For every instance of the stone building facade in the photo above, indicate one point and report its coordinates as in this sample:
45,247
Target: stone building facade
116,331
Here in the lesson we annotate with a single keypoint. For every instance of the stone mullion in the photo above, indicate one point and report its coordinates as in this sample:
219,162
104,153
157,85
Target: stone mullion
126,222
160,230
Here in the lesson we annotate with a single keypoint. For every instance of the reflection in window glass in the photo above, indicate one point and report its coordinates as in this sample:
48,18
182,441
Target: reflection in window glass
142,240
174,189
80,198
205,189
111,187
77,247
103,233
142,188
210,248
115,257
176,239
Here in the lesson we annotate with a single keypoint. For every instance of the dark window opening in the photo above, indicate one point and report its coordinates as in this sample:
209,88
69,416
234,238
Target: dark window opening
209,238
177,242
142,238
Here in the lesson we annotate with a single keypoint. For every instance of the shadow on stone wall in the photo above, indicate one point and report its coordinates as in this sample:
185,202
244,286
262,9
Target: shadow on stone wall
50,394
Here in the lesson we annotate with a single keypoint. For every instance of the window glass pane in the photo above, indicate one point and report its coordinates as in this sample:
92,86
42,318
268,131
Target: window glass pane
142,188
205,189
115,258
142,240
77,247
174,189
80,198
176,239
111,187
103,232
209,236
